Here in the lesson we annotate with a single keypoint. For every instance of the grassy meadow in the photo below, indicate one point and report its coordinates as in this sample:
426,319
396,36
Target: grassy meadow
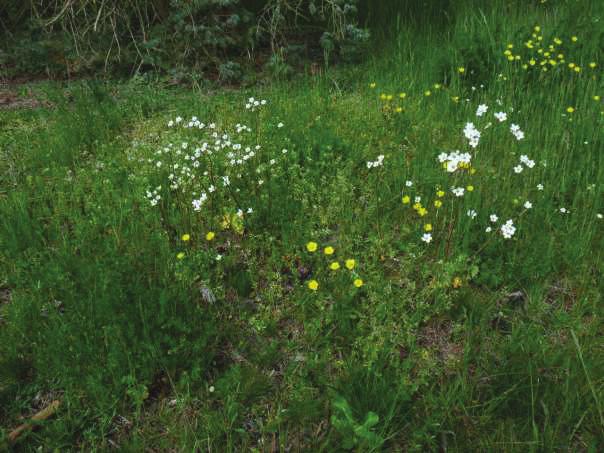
399,255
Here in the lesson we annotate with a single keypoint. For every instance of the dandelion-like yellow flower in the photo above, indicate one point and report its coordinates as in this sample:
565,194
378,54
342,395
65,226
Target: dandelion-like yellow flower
577,69
398,109
313,285
470,188
570,109
510,57
210,235
311,246
592,64
185,237
406,199
596,98
328,250
537,28
574,39
428,227
402,95
350,263
455,98
358,282
427,93
457,282
437,86
372,85
440,193
438,203
532,62
461,69
422,212
383,97
180,255
334,266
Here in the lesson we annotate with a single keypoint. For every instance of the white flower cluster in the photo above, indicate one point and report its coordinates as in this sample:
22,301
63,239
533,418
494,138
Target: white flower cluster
458,191
252,104
376,163
501,116
207,159
482,109
472,134
524,160
508,229
154,196
516,132
454,159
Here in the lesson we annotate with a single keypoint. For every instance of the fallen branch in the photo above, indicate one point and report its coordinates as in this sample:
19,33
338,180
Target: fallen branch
42,415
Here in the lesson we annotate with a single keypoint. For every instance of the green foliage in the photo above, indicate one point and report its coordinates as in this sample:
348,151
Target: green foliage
154,333
355,434
181,38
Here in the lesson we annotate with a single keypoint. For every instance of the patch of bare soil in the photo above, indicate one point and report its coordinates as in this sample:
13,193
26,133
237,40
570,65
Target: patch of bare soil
10,99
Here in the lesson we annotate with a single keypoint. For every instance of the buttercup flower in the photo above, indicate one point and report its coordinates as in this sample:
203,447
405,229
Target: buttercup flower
313,285
328,250
350,263
334,266
185,237
358,282
210,235
311,246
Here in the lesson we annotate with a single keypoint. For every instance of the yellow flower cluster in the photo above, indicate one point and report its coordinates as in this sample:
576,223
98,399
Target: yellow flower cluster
544,56
349,263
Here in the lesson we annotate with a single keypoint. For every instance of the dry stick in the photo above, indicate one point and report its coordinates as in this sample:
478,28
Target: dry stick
42,415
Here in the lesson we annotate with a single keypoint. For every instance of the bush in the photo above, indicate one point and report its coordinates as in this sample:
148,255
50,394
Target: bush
213,37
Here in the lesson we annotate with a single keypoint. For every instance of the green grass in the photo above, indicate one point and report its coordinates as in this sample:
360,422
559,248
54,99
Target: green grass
430,353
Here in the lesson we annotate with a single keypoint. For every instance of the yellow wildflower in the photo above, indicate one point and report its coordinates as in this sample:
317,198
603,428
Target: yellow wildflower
311,246
457,282
328,250
350,263
313,285
185,237
358,282
210,235
180,255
